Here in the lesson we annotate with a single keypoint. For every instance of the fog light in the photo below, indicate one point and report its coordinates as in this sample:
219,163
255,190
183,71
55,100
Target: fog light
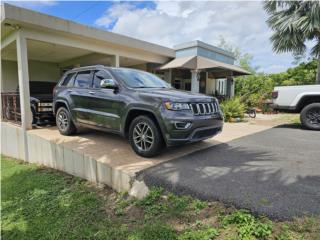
182,125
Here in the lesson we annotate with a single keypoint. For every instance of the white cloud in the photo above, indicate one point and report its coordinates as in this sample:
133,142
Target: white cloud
240,23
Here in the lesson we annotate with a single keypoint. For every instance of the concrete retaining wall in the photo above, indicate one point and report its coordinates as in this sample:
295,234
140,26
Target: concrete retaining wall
54,155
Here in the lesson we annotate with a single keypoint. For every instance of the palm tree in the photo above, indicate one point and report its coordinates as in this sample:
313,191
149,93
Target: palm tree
294,23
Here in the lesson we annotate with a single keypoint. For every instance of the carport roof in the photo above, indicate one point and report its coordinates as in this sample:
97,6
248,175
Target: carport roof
16,16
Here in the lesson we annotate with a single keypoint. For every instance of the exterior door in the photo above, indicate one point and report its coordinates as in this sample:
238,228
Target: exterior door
105,104
80,96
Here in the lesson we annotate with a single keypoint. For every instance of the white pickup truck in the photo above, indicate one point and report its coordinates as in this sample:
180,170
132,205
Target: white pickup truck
304,99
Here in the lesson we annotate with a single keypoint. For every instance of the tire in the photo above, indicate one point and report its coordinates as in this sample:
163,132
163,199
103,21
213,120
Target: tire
310,116
148,141
252,113
64,122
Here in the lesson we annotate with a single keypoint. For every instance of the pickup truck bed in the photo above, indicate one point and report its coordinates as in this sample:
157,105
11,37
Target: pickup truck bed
304,99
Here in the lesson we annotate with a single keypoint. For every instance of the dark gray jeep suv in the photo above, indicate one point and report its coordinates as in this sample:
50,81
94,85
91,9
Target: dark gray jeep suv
135,104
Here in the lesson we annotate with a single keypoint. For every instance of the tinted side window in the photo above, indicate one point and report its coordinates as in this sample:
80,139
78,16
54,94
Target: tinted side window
98,76
83,79
68,80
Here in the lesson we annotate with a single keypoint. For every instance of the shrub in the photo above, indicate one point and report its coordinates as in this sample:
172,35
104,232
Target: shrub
153,197
248,227
201,234
232,108
198,205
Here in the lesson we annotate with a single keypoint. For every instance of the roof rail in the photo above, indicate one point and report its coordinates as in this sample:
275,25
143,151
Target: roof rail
90,66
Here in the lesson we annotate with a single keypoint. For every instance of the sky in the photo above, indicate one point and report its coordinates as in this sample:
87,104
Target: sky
242,24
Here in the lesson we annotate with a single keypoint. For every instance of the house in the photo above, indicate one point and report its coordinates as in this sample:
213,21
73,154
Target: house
38,47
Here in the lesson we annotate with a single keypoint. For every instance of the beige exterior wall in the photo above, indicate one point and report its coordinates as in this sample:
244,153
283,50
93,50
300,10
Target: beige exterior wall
139,67
39,71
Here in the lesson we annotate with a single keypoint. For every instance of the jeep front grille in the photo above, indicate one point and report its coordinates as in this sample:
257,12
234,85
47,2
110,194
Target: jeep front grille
204,108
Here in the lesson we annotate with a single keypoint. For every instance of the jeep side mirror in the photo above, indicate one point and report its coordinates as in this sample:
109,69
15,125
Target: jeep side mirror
108,83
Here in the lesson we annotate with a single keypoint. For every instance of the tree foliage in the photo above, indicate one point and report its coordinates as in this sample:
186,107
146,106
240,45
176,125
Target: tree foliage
256,88
303,74
294,23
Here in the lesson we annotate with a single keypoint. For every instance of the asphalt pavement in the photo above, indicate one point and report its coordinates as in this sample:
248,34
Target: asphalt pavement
275,173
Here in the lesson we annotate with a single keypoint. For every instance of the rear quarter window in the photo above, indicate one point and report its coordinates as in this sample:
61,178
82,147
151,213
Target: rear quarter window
68,80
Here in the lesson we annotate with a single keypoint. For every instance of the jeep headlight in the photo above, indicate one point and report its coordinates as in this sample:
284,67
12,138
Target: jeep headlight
176,106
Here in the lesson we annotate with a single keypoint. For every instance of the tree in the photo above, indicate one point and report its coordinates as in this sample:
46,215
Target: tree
294,23
251,89
242,59
303,74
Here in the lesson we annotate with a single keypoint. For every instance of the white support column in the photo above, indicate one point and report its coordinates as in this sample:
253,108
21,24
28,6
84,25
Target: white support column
195,81
230,87
24,92
2,88
116,61
169,80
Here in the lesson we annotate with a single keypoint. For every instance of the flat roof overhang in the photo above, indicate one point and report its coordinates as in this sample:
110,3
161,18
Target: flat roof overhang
202,63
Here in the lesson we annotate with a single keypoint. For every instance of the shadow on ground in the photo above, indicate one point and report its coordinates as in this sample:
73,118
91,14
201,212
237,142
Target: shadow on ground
274,173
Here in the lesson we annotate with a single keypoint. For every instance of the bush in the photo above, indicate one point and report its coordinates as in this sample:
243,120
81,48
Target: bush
232,108
201,234
248,227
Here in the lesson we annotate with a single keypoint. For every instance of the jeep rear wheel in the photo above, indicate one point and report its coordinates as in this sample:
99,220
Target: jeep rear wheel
145,137
64,122
310,116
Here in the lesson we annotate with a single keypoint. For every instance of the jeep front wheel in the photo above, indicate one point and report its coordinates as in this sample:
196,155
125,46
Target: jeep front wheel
145,137
310,116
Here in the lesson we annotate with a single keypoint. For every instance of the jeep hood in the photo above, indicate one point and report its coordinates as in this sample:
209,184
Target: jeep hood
174,95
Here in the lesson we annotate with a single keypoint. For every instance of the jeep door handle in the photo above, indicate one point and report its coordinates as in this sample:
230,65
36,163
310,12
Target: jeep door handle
92,92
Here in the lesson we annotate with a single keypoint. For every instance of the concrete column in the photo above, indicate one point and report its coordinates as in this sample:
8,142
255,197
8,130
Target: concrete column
24,92
116,61
170,76
195,81
2,88
230,87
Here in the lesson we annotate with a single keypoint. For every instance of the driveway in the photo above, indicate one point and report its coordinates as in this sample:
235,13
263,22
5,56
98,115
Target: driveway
275,173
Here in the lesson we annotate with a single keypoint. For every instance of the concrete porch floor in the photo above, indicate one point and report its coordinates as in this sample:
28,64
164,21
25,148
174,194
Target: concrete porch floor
108,159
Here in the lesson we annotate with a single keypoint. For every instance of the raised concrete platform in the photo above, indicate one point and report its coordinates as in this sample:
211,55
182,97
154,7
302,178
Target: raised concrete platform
100,157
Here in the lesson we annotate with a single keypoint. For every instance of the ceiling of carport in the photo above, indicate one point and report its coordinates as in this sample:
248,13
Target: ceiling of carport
48,52
43,51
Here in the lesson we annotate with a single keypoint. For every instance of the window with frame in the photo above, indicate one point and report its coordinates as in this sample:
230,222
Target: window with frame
68,80
98,76
83,79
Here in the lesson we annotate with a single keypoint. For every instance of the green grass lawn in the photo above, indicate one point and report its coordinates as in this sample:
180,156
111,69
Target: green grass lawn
40,203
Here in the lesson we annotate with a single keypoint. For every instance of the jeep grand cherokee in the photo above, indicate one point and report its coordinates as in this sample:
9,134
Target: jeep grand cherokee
135,104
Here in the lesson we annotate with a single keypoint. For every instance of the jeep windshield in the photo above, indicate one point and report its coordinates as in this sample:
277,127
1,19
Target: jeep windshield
139,79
